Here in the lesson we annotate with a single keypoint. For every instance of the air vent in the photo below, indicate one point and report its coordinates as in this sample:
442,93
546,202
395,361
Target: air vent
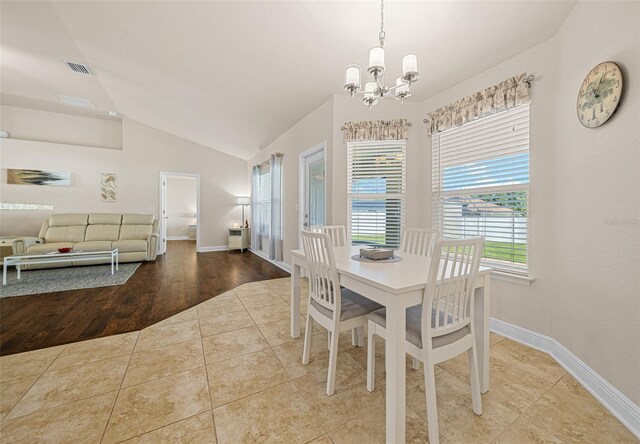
78,101
78,67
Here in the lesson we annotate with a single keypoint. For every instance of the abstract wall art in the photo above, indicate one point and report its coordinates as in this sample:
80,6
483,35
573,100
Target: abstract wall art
38,177
108,187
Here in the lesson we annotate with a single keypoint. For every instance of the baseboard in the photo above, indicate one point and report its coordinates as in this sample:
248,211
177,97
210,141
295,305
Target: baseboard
177,237
282,265
214,248
615,401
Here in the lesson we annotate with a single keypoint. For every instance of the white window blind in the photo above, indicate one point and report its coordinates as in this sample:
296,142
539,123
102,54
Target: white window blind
265,200
481,185
376,187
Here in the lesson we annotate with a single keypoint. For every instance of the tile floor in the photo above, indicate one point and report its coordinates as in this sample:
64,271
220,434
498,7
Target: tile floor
227,371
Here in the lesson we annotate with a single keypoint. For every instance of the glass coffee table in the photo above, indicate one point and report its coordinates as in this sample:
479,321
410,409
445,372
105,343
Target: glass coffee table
58,258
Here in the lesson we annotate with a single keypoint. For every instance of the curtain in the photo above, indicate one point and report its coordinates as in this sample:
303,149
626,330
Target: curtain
255,210
396,129
507,94
275,235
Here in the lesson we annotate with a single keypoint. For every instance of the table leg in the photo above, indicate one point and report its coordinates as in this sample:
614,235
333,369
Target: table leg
112,265
396,368
117,261
482,308
295,300
18,271
4,273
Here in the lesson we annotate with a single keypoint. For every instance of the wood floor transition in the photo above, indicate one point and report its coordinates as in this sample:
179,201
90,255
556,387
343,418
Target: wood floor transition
176,281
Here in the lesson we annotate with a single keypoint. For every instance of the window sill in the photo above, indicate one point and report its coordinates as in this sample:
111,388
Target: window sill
512,278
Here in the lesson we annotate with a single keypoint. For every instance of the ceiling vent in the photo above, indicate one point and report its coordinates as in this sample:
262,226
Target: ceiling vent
78,67
78,101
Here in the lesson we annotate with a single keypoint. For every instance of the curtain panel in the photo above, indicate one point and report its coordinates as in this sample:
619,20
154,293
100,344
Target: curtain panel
396,129
507,94
275,236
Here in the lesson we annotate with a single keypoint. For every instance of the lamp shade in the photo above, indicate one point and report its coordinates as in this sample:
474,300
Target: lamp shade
401,87
376,57
352,76
409,63
243,200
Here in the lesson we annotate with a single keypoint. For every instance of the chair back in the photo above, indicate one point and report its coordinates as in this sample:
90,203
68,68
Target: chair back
418,241
324,284
450,284
337,233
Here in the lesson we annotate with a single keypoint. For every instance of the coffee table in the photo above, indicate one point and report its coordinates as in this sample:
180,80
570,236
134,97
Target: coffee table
58,258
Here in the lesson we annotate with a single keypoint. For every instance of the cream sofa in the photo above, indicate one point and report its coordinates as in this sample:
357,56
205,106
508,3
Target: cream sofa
134,235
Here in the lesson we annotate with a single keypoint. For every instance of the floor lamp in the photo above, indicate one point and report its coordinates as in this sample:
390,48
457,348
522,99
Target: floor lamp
244,201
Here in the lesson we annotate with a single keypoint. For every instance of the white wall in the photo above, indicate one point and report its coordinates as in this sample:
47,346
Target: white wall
146,152
585,197
315,128
181,205
47,126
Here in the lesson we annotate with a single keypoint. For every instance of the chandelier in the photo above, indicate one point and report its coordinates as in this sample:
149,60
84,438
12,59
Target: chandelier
374,88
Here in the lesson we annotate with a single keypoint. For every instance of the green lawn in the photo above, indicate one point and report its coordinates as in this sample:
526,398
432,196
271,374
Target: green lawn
506,251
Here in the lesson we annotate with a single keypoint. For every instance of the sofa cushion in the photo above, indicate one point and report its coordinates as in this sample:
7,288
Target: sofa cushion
102,233
105,219
137,219
135,232
93,246
65,220
125,246
48,248
69,233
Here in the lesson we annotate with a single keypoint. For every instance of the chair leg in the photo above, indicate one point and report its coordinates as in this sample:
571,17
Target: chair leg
308,334
371,359
328,340
415,364
476,397
354,337
430,392
361,336
333,361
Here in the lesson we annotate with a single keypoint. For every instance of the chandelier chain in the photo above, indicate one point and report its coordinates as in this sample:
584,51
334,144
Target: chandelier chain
381,36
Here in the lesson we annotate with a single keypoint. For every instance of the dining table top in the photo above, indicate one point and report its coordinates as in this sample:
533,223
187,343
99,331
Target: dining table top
394,277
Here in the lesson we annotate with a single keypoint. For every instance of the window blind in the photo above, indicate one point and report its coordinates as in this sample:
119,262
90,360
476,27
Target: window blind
376,188
265,200
480,185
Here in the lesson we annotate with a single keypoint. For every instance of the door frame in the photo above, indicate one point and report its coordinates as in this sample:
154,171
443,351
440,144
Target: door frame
162,245
302,175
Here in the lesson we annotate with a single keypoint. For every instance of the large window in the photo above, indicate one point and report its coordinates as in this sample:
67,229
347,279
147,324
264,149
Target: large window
481,185
264,201
376,187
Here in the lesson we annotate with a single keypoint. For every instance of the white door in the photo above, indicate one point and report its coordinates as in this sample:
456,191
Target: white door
314,195
163,214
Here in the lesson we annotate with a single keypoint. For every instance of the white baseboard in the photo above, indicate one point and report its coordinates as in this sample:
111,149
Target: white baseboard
177,237
214,248
615,401
282,265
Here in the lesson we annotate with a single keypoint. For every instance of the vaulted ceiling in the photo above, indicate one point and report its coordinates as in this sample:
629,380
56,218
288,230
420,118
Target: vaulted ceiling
235,75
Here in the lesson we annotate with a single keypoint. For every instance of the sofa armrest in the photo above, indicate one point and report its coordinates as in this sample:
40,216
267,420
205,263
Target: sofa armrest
152,246
21,244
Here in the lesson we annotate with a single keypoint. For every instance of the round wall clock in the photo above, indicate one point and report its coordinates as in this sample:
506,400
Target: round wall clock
599,94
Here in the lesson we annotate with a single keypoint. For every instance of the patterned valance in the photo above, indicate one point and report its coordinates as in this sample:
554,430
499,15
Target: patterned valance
505,95
396,129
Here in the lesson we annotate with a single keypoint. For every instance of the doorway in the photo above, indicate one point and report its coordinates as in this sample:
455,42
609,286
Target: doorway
179,209
312,187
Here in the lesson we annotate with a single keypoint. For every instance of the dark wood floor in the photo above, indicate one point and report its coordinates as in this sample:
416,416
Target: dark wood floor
176,281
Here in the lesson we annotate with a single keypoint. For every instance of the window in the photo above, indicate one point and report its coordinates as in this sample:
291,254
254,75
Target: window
264,201
376,187
481,185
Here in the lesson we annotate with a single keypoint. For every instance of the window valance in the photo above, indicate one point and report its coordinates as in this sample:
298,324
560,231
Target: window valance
396,129
507,94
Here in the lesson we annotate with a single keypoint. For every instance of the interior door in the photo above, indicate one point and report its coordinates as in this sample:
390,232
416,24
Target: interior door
163,215
314,208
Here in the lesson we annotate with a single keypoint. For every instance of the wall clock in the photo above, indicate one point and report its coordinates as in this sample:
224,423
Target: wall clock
599,94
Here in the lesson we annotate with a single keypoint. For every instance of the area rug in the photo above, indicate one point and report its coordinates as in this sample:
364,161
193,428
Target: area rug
63,279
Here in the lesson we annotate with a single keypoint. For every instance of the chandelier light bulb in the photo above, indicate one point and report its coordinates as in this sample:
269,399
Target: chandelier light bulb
376,62
402,89
352,79
410,68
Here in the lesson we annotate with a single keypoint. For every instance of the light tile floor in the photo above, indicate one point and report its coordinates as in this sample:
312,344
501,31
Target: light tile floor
227,371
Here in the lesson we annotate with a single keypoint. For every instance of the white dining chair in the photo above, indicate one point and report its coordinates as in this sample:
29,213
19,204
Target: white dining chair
338,236
337,233
418,241
441,327
334,308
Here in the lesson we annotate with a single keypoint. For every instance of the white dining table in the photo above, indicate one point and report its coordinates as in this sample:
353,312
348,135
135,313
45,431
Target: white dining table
396,285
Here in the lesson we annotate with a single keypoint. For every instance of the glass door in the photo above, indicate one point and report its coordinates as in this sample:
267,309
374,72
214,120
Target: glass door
314,190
